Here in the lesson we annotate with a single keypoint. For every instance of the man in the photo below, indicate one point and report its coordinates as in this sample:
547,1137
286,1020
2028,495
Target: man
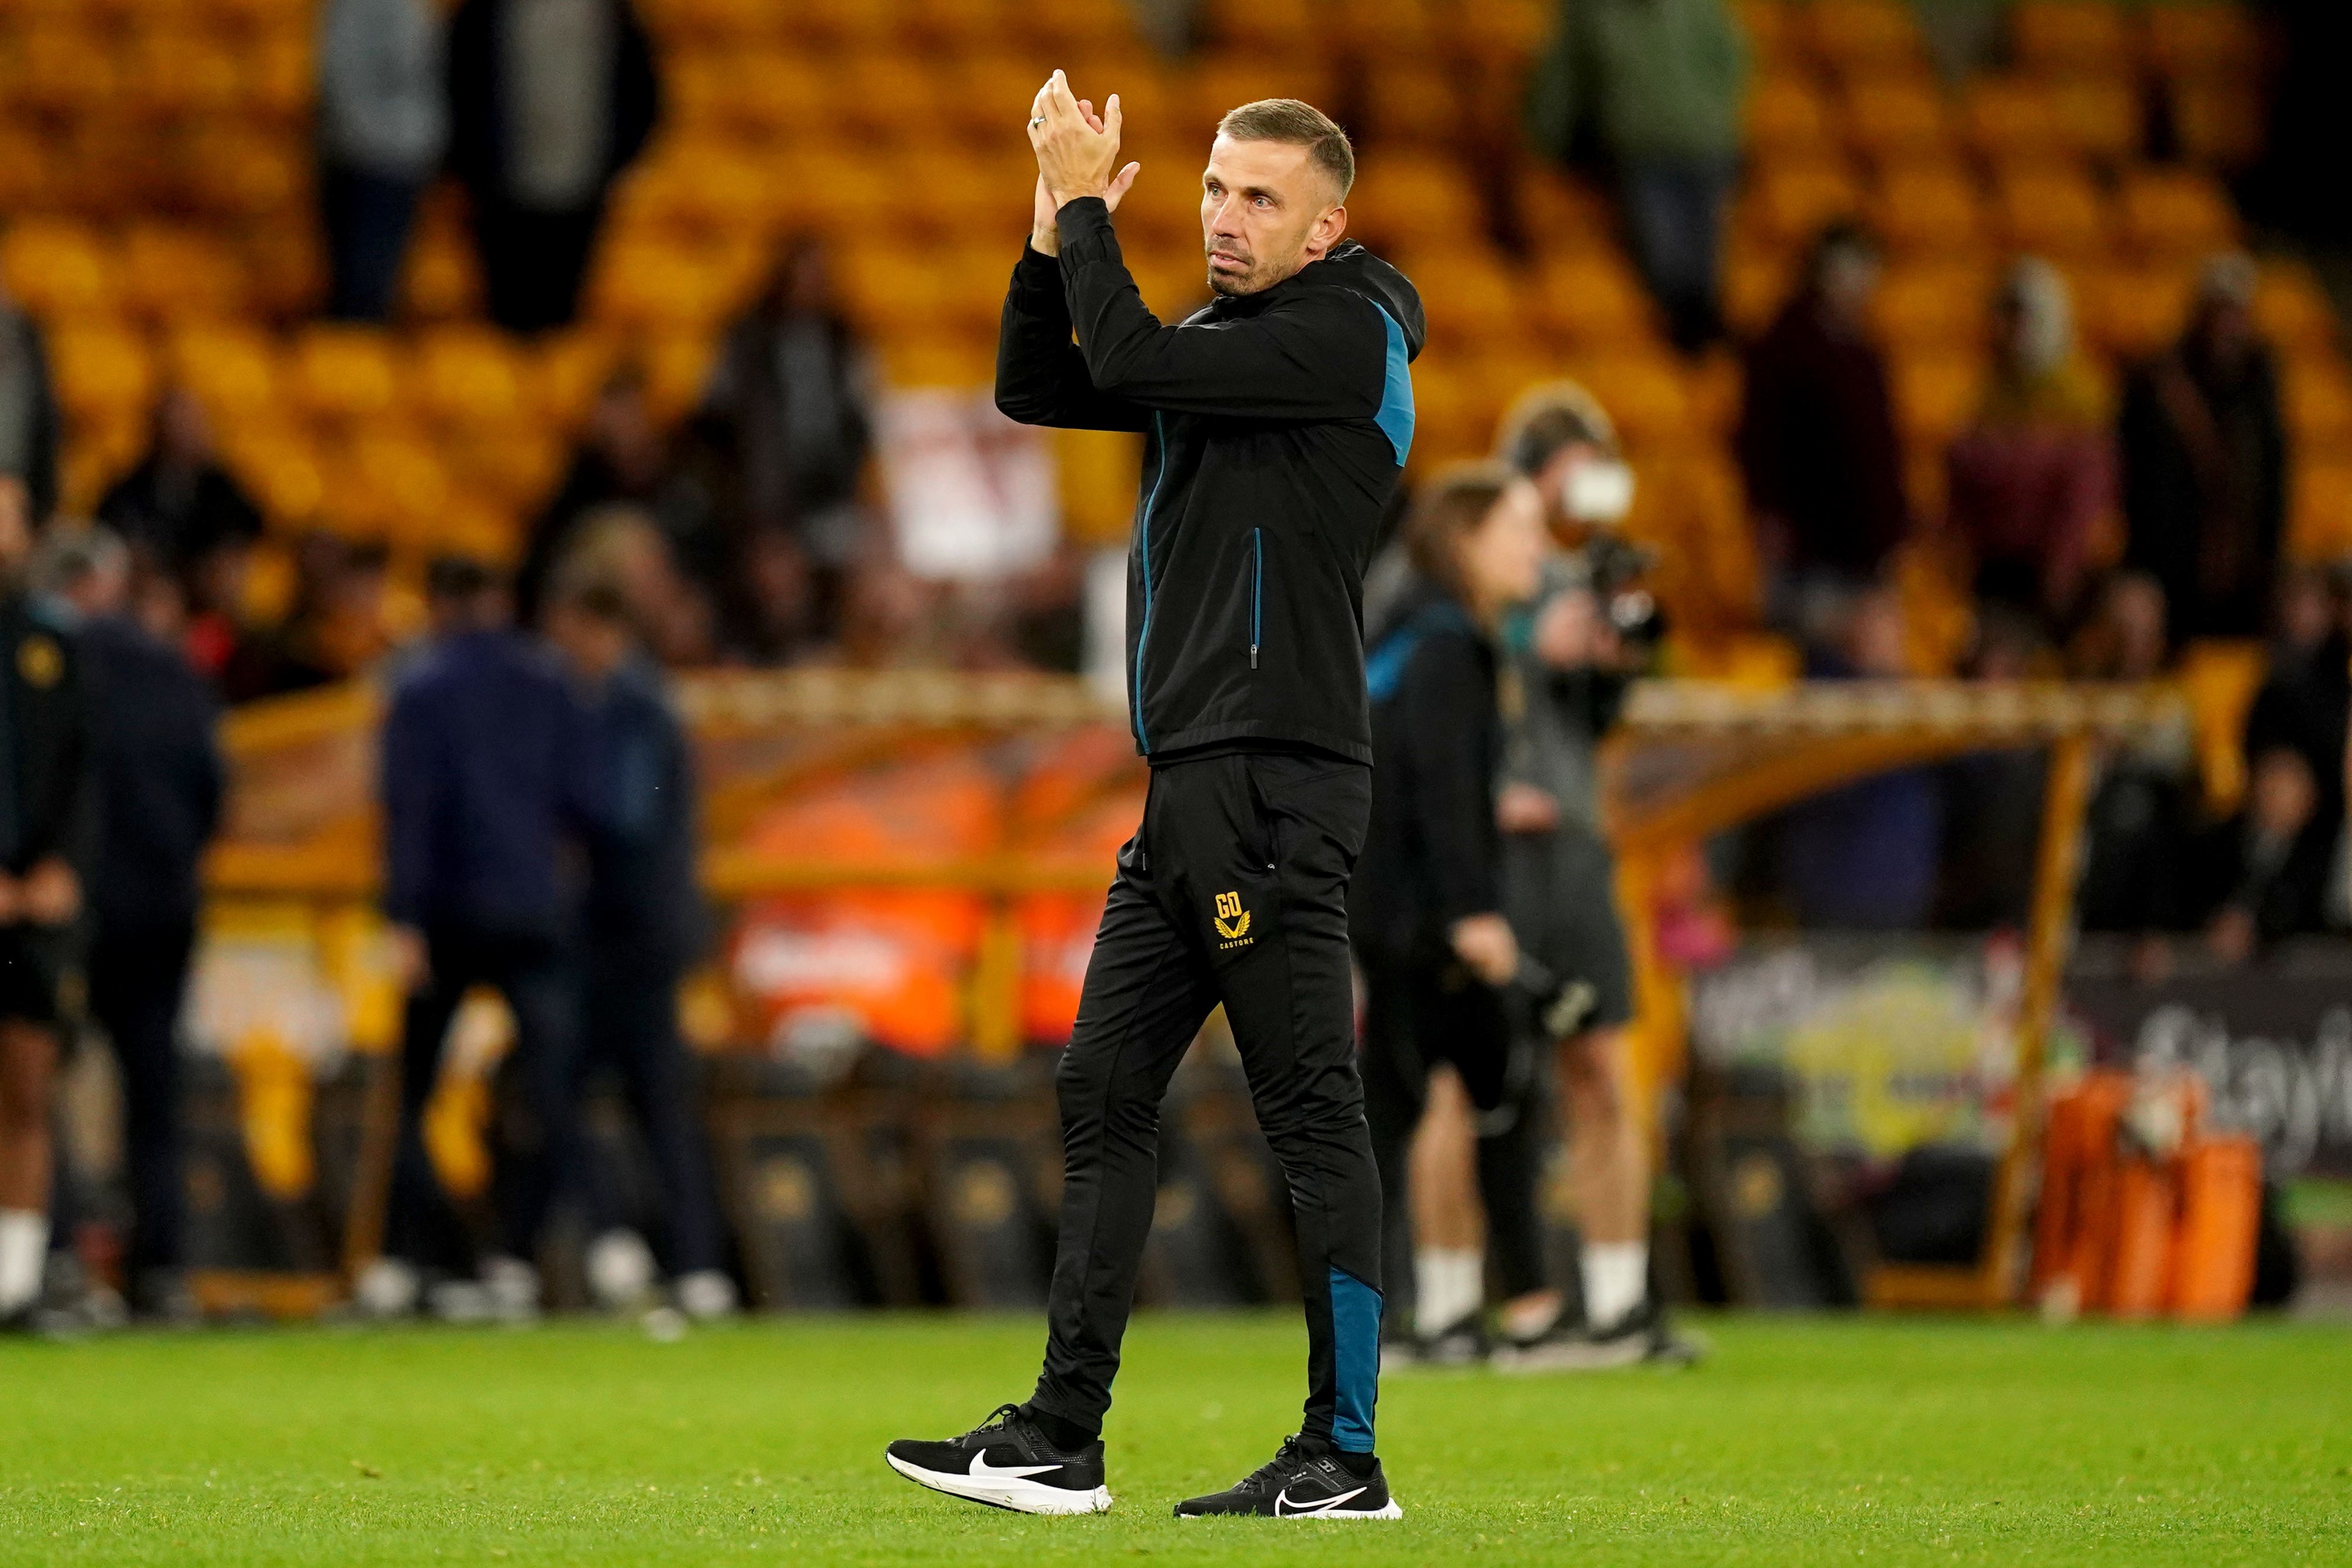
487,771
384,123
1277,419
159,782
642,922
44,820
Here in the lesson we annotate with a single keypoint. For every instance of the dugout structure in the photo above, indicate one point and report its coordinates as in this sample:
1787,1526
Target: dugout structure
1693,758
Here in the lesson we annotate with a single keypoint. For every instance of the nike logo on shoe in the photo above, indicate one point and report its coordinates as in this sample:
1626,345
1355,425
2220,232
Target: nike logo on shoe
983,1470
1284,1508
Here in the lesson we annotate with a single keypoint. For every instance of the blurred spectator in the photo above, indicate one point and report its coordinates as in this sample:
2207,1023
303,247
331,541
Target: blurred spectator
548,101
1865,857
159,782
28,409
623,457
334,629
180,508
1817,442
2142,815
2264,870
2305,700
1993,800
1658,85
621,545
2204,458
643,921
384,124
45,806
2032,479
488,771
790,405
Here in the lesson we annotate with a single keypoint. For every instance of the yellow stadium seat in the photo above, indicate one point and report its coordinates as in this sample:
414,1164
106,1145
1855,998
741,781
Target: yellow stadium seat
2318,407
725,23
1928,209
172,273
512,464
1218,84
2100,118
2007,119
1901,117
1393,29
1285,26
1594,302
2319,514
699,90
2175,213
27,167
1472,298
442,277
884,95
844,194
1772,38
104,374
1407,103
58,268
1645,394
1936,393
990,94
2220,123
654,286
404,481
1863,38
2293,310
1503,32
231,370
1789,115
247,173
1403,197
1788,204
343,373
1755,284
281,71
467,377
1934,303
2203,39
2051,210
1076,29
1562,214
63,69
281,466
947,361
288,267
2131,311
2070,38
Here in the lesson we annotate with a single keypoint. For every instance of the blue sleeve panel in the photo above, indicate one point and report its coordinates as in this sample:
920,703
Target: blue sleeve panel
1395,417
1356,1360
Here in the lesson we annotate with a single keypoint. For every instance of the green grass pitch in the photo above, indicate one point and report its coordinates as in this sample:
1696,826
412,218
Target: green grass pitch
1802,1441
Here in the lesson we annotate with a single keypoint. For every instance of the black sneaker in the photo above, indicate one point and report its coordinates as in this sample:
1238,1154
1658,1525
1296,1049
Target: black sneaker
1006,1462
1302,1481
1463,1344
1641,1336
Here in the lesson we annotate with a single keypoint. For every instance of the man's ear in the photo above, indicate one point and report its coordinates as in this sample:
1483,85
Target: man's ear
1327,232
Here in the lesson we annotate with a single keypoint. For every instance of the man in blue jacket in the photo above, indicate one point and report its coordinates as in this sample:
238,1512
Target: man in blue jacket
487,771
1276,420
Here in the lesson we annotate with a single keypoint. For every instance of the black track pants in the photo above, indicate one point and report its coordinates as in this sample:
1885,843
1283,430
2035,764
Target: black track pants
1233,890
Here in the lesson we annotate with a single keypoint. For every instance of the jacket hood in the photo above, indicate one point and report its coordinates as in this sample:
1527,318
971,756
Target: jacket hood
1352,267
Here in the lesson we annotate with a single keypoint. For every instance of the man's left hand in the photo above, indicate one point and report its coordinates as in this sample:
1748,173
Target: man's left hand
1076,158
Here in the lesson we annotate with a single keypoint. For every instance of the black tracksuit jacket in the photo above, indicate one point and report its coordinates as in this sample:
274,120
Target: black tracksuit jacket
1276,428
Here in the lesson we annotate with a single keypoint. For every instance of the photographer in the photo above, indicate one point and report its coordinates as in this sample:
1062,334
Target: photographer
1569,663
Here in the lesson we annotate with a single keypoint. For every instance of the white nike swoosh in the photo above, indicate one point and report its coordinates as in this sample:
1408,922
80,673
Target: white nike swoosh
983,1470
1282,1500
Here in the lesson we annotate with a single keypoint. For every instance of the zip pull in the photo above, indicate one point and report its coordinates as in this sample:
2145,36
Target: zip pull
1253,655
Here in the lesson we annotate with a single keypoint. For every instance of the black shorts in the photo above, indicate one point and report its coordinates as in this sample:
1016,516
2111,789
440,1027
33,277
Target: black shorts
1417,1015
31,964
1560,892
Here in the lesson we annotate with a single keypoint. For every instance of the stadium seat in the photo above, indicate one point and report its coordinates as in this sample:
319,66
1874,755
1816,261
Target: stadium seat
1934,303
61,67
1410,103
1772,38
465,377
238,171
1405,198
1384,30
2070,38
170,272
58,268
104,373
2051,210
1863,38
1896,118
1471,297
2175,213
2220,123
1788,203
281,75
1284,29
2202,39
2010,119
1562,214
2293,310
169,70
1936,394
231,369
2317,402
402,482
1503,32
2098,119
2319,513
1595,303
1789,115
1928,209
1645,394
339,374
1755,284
1200,99
2131,311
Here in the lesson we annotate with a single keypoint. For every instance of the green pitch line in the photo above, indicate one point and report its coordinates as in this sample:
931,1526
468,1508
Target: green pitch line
1804,1441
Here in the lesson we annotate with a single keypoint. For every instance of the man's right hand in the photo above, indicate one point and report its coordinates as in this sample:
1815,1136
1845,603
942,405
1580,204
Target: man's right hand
1045,234
408,959
1485,943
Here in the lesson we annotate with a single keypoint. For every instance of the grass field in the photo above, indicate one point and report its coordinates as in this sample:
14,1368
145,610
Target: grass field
1804,1441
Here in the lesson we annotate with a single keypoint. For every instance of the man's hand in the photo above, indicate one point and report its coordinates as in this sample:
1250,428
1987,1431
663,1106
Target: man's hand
1078,152
408,956
50,893
1524,809
1485,943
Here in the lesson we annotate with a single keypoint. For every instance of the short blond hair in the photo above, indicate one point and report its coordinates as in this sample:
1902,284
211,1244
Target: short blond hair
1300,125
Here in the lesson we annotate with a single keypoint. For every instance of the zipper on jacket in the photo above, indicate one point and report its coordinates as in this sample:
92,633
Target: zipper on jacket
1258,590
1143,633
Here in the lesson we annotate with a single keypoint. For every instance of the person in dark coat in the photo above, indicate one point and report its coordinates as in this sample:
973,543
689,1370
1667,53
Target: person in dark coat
46,797
2205,464
642,922
28,408
1817,440
488,773
1425,908
158,760
548,101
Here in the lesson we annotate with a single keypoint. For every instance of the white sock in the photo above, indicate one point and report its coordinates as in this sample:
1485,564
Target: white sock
23,1255
1616,1277
1449,1284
